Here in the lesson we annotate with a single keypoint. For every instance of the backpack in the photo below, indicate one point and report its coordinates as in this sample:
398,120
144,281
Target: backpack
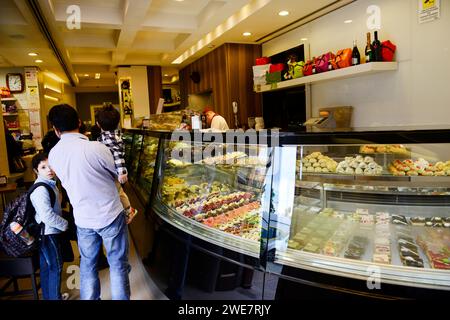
22,212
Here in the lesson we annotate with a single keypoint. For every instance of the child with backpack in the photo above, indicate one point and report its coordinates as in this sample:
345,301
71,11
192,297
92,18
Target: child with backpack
51,261
108,120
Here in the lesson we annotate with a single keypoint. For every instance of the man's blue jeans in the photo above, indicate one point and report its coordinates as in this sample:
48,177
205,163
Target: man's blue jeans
51,265
115,240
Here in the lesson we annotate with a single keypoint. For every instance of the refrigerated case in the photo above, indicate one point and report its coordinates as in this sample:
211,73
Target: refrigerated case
216,192
358,213
367,214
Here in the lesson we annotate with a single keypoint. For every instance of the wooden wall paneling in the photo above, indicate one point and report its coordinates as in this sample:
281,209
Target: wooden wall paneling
154,80
241,58
227,72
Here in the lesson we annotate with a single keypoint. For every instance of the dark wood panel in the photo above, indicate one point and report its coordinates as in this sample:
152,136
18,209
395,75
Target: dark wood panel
154,79
227,72
241,58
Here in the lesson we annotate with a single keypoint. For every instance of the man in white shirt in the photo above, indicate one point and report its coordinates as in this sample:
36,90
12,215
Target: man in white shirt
87,172
215,121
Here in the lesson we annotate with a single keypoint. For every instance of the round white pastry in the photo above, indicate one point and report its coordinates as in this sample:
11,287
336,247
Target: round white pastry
318,169
368,159
349,171
359,171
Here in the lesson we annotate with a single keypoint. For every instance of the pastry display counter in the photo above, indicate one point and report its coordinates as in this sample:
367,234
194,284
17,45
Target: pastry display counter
318,208
364,211
216,196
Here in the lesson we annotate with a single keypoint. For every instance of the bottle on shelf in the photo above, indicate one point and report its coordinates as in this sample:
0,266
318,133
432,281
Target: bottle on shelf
368,50
356,57
376,48
23,234
314,65
330,66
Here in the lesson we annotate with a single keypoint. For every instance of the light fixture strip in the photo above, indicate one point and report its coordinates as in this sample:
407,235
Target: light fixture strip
50,98
46,86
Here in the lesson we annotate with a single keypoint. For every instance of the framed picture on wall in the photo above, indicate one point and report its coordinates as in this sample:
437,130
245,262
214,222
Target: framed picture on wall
96,107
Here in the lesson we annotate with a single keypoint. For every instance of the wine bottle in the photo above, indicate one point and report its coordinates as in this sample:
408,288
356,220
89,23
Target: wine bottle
356,58
376,48
368,51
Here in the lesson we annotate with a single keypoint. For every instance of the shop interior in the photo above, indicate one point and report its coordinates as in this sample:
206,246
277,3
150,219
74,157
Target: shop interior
362,128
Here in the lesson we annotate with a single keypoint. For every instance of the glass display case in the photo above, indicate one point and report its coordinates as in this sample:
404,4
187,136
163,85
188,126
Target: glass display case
367,211
146,167
319,208
127,138
135,147
215,192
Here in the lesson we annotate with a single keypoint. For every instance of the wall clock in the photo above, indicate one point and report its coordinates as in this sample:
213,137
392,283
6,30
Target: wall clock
15,82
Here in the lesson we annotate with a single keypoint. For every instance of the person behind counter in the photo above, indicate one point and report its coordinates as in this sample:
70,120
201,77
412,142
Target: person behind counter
214,120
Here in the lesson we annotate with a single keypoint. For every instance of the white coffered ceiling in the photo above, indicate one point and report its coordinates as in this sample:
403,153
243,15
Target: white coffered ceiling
138,32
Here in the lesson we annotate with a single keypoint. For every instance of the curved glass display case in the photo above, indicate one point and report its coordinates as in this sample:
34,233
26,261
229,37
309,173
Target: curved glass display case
340,211
215,192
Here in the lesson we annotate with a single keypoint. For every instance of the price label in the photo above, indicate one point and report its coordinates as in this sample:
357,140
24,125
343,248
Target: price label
274,85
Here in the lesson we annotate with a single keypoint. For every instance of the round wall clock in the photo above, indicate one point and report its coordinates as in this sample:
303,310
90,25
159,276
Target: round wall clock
15,82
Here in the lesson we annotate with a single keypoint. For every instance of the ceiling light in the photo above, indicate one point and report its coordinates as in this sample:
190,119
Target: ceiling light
166,75
32,54
304,39
283,13
348,21
86,75
247,34
179,0
38,61
97,76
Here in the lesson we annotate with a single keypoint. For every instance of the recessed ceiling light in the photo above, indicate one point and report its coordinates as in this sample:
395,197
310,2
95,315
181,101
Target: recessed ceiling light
32,54
179,0
210,46
166,75
247,34
283,13
38,61
304,39
97,76
348,21
86,75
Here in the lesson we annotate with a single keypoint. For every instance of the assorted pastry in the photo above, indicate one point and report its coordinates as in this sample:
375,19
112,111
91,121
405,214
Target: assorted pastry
214,205
419,167
317,162
364,236
388,148
359,165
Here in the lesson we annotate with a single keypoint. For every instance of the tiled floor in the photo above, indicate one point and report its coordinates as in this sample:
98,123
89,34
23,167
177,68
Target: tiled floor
142,287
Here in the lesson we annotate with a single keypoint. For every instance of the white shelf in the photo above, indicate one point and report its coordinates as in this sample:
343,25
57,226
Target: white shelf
9,99
359,70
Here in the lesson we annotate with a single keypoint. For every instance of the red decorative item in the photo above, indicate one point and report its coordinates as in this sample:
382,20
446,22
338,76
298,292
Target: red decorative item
322,62
388,50
308,68
276,67
262,60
